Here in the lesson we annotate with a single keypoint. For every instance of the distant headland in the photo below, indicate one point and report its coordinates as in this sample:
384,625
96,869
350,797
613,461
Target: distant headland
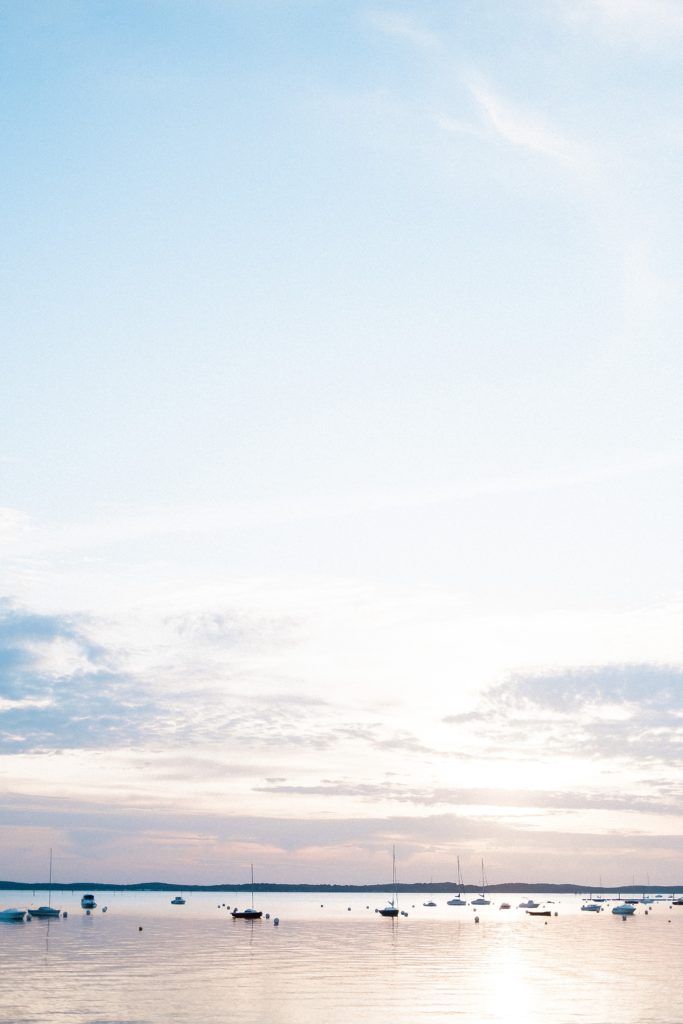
415,887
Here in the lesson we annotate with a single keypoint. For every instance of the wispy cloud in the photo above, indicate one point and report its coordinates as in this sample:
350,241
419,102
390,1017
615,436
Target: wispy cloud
528,129
621,713
642,22
404,26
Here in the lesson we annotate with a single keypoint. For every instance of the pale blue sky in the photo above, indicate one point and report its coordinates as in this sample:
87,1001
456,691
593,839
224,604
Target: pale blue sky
341,390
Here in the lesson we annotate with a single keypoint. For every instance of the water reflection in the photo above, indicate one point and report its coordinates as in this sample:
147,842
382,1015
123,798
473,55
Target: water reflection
346,967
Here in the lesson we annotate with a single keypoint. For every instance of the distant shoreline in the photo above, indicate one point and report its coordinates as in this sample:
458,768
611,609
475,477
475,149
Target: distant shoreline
415,887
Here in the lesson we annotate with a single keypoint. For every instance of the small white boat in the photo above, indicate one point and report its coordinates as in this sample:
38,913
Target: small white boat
481,900
429,903
178,901
12,914
528,905
458,901
88,901
593,907
624,909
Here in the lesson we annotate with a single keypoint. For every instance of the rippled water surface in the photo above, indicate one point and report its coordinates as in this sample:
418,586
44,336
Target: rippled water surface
328,963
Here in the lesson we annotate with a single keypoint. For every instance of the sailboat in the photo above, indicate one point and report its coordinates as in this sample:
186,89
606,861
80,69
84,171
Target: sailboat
391,909
249,914
49,910
458,901
482,901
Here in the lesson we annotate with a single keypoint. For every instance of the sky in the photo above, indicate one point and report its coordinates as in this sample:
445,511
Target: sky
341,441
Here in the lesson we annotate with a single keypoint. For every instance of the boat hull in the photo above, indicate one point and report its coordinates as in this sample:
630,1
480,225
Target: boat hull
11,914
44,912
246,915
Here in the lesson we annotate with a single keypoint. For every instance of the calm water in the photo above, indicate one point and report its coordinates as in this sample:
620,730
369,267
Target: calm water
193,963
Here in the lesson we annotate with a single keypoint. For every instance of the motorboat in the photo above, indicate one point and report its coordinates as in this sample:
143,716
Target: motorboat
249,914
12,914
43,912
593,907
624,909
429,903
178,901
88,901
528,905
504,906
540,913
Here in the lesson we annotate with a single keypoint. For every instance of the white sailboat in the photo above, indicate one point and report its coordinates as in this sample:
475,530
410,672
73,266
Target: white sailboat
49,910
481,901
458,901
391,909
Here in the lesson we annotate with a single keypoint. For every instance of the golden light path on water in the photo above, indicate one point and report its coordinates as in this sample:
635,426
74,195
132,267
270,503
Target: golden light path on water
334,957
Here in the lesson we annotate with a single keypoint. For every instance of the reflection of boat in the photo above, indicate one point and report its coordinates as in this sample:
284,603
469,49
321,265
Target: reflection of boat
481,901
624,909
249,914
49,910
88,901
12,914
458,901
391,909
179,901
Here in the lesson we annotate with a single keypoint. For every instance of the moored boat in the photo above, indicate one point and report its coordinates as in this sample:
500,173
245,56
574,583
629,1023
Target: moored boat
88,901
458,901
49,910
624,909
391,909
12,914
249,914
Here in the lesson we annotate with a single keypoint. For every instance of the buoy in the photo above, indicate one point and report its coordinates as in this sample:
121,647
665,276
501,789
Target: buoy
276,920
348,908
87,913
65,914
555,913
139,927
476,920
104,910
267,917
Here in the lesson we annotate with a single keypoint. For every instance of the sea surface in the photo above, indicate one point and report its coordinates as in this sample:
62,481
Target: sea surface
333,960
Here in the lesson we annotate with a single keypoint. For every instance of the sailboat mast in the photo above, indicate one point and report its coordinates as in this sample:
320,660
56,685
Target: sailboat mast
49,884
252,885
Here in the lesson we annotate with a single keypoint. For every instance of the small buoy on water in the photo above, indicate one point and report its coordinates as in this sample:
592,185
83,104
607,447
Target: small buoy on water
65,914
139,927
555,913
348,908
476,920
276,920
87,913
267,917
104,910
